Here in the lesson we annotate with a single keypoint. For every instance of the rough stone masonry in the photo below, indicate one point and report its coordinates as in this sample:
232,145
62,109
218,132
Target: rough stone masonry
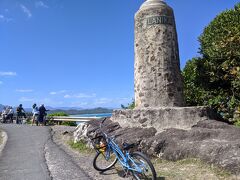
158,82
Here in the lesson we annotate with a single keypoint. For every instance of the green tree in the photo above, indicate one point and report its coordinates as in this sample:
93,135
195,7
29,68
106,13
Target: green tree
214,78
129,106
58,114
67,123
193,73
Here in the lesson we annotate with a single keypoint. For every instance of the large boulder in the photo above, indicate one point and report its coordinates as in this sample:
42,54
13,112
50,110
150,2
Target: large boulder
212,141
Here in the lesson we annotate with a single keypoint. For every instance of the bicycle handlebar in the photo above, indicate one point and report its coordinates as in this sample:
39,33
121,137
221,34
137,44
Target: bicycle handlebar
102,123
101,127
103,120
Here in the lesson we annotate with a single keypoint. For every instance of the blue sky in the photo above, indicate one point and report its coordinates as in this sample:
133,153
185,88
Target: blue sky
81,53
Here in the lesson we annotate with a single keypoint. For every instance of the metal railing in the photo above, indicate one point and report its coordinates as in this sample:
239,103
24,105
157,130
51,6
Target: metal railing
72,119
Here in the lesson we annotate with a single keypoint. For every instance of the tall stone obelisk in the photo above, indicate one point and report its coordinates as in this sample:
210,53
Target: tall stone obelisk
158,81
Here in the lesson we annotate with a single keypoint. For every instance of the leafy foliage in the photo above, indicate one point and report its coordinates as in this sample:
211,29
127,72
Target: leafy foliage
129,106
214,79
193,74
80,146
67,123
58,114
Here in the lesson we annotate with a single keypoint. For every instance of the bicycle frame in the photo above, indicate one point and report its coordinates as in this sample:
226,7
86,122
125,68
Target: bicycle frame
124,159
136,163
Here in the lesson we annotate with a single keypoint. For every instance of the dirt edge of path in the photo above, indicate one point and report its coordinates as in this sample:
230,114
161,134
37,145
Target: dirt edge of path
3,140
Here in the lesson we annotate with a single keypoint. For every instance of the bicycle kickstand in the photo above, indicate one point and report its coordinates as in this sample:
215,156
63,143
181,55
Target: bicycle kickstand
126,173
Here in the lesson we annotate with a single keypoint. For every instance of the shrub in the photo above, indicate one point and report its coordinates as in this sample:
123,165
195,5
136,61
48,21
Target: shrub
70,123
129,106
58,114
214,78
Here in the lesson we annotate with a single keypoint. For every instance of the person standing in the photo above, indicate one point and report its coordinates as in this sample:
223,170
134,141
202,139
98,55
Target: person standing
10,114
35,113
20,113
42,113
4,114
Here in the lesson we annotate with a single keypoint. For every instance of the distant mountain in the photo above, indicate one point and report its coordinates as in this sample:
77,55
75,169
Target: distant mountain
98,110
63,108
1,107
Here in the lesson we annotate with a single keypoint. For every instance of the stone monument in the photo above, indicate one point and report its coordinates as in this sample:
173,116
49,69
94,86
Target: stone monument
158,82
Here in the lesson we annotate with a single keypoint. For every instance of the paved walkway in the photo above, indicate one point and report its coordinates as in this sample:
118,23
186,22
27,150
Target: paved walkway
23,157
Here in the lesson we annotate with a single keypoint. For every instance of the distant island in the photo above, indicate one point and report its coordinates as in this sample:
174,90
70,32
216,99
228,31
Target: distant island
70,111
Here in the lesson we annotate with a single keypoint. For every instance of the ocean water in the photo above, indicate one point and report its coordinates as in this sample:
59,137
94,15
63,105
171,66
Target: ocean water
92,115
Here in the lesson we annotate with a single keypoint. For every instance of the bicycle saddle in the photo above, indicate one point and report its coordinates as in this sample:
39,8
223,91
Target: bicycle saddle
127,146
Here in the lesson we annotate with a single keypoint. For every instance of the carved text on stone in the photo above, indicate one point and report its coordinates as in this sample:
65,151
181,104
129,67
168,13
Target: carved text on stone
160,20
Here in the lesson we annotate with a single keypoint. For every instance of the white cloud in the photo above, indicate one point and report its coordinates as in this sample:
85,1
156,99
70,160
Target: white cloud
67,96
39,101
80,95
103,101
26,11
4,19
78,101
8,73
24,90
40,4
49,102
79,104
25,99
111,101
57,92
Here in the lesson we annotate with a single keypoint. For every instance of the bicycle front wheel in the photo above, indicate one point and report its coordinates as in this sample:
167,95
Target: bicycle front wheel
104,160
140,162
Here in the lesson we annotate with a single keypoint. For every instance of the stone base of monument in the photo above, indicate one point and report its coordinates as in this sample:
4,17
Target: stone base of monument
163,118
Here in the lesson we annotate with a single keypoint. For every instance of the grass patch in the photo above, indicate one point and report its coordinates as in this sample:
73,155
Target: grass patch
80,147
188,169
191,168
69,123
237,123
28,121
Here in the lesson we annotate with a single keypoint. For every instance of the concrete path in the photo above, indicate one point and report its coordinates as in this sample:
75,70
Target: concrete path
24,156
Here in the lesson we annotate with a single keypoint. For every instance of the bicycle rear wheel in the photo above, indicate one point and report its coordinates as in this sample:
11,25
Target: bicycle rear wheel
147,169
104,160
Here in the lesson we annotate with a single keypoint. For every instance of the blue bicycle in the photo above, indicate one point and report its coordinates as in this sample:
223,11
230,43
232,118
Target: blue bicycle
109,153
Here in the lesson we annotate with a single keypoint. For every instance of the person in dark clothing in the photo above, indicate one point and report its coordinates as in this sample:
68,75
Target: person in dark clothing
20,114
42,113
10,114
